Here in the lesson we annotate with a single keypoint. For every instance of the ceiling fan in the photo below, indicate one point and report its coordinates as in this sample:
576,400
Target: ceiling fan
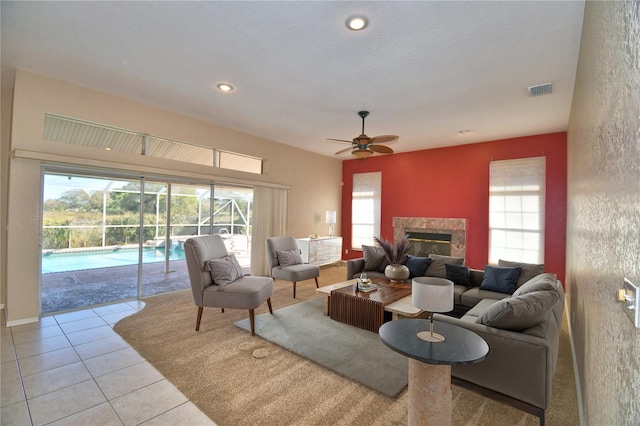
363,146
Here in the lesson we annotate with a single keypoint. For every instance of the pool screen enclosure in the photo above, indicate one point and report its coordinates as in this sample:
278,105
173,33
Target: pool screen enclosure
111,238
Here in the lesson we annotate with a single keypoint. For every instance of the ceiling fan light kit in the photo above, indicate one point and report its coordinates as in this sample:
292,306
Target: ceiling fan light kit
363,146
362,154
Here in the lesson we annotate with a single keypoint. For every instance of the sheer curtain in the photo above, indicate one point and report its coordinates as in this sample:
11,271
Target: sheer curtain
269,220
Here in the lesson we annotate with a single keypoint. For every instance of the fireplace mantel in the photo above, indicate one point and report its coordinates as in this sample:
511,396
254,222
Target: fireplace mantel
454,226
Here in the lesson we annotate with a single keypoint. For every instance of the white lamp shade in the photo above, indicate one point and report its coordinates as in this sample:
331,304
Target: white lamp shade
331,217
432,294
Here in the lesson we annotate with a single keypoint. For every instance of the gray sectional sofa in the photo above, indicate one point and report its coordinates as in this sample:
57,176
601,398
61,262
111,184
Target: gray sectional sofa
522,330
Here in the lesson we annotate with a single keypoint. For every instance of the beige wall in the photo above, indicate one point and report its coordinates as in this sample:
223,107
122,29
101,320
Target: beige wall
603,229
313,180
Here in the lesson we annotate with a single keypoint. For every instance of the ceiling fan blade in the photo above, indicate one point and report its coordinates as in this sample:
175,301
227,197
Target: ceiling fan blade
339,140
380,149
384,139
344,150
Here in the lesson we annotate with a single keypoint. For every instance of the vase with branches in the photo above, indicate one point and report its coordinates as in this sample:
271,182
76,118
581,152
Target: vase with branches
396,255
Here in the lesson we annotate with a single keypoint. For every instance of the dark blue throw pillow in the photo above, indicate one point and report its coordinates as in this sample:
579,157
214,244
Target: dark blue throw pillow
417,265
502,280
459,274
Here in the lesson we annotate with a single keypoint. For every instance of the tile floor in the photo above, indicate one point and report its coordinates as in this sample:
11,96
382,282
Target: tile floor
73,369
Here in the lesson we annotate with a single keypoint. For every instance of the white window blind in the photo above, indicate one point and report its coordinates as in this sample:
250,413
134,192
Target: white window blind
71,130
516,210
240,162
365,208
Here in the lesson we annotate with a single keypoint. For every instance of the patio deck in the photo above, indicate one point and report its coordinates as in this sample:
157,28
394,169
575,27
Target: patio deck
64,291
71,290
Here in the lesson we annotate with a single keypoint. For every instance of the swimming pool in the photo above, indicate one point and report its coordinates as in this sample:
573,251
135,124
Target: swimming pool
76,261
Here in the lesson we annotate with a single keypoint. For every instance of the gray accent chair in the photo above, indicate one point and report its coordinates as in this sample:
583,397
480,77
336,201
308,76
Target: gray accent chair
293,273
248,292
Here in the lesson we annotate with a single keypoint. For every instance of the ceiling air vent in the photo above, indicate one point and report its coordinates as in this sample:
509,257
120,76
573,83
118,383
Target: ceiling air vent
540,89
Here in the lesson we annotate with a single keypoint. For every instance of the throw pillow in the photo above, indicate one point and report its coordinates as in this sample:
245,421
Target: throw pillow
417,265
502,280
374,258
224,270
437,268
538,283
459,274
529,270
521,312
288,257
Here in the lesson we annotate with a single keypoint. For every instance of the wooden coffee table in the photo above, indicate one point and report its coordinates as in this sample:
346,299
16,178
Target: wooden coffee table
363,309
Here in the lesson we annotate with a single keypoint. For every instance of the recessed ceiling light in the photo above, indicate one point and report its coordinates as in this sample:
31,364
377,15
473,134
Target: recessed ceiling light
464,132
357,23
224,87
107,148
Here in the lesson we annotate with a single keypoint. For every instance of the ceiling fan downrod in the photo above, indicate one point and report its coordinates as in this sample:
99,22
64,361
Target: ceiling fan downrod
363,114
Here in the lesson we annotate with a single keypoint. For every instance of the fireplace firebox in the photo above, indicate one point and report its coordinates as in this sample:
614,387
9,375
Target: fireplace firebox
433,229
426,243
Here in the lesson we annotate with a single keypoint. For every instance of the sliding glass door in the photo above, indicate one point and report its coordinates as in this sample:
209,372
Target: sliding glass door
233,207
185,210
90,235
108,238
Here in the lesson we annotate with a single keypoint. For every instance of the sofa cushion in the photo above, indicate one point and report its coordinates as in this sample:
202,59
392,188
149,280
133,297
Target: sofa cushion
540,282
224,270
474,313
474,295
458,291
476,276
502,280
288,257
459,274
417,265
528,270
437,268
520,312
374,258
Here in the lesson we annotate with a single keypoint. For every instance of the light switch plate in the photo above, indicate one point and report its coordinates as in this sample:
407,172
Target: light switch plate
631,302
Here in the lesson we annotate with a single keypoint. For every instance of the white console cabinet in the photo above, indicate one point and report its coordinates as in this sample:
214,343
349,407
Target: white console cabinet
320,251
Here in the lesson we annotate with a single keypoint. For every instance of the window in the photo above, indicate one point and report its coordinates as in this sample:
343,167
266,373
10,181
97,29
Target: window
173,150
516,210
101,136
365,208
240,162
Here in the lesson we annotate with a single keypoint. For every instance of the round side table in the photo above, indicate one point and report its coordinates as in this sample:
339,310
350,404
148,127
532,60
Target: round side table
430,364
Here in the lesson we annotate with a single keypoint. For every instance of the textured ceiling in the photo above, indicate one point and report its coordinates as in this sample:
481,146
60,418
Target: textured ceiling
425,70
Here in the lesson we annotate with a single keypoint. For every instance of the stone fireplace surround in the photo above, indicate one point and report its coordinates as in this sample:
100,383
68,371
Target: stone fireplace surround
455,227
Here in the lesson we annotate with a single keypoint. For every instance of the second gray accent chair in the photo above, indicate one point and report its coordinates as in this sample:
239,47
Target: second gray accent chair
293,273
246,292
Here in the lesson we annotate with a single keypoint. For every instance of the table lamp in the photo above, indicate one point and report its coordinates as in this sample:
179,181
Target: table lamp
432,295
331,220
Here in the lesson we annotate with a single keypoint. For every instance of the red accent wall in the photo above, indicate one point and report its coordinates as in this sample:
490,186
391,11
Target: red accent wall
453,182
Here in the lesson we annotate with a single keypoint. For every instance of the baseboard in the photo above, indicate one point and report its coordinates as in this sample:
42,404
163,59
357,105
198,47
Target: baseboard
575,364
22,321
500,397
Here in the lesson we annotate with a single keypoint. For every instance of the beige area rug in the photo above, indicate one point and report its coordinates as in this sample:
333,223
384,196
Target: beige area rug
237,379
